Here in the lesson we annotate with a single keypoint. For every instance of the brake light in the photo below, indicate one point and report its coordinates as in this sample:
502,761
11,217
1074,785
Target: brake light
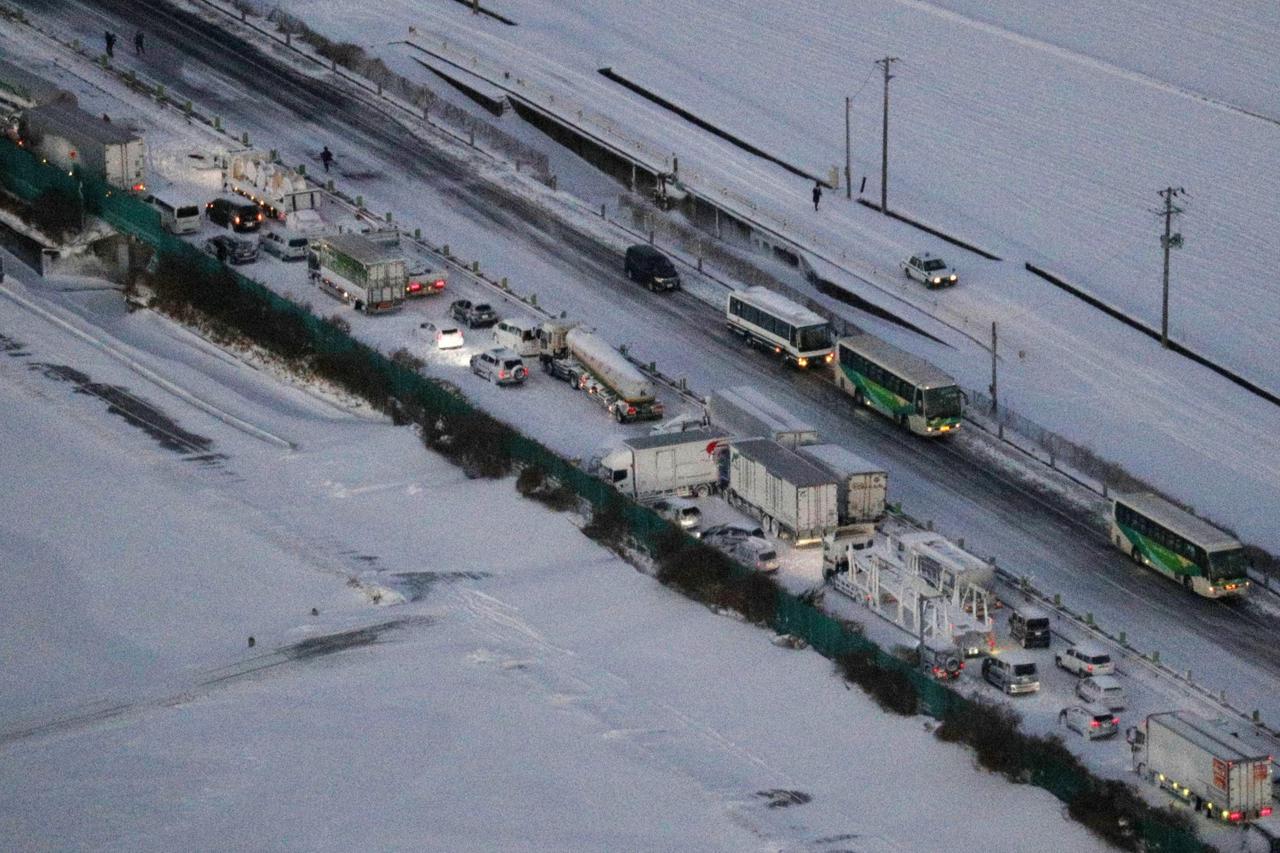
139,187
1115,721
1088,668
260,217
1236,816
414,286
438,284
962,664
1265,811
1094,724
502,374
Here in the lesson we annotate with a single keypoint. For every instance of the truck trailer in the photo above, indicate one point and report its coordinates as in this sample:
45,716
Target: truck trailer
685,463
747,413
357,270
275,187
71,138
588,363
793,498
1209,764
861,486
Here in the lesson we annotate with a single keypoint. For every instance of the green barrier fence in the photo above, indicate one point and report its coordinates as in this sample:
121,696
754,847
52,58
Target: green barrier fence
26,177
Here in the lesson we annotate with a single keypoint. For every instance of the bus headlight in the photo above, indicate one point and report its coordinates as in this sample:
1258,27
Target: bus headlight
803,362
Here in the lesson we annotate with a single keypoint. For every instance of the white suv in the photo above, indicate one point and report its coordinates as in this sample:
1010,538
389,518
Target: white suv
1105,690
1091,721
500,366
1085,659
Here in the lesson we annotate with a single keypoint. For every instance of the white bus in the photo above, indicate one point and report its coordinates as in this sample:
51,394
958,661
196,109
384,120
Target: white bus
178,216
768,320
1158,534
898,385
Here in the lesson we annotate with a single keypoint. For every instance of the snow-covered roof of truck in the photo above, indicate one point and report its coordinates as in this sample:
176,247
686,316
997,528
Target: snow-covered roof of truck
363,249
839,459
1209,735
787,464
646,442
67,118
754,402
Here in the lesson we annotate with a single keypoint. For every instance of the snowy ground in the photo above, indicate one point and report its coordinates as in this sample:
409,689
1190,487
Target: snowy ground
526,679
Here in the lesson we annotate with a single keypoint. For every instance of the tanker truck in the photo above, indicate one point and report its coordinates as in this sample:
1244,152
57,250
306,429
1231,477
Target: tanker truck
588,363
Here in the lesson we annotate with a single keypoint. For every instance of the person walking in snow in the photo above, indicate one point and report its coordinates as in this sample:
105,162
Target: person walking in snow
138,43
326,157
110,38
817,194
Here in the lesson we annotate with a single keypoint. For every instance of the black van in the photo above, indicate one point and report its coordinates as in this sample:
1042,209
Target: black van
651,268
236,214
1030,627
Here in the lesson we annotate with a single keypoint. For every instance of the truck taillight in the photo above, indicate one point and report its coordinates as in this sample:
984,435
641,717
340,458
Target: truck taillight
1115,721
631,410
438,284
1235,817
1265,811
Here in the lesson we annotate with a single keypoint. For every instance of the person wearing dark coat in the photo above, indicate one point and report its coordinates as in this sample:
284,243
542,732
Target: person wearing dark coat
110,38
326,157
139,45
817,194
222,253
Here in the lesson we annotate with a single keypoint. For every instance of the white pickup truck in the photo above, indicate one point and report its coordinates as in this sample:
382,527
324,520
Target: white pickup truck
930,270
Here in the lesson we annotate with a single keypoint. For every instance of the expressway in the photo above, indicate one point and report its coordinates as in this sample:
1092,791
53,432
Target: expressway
1228,645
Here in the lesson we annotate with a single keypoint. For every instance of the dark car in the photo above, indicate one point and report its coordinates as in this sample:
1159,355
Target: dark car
651,268
235,250
476,315
236,214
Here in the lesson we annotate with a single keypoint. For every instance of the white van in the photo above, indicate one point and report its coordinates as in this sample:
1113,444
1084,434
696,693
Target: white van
284,244
177,215
517,334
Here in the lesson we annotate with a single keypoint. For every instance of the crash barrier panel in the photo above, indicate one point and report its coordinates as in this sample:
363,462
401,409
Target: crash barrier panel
25,176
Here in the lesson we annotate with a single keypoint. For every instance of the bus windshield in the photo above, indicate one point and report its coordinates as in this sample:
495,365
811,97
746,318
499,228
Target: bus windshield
812,338
1226,565
943,402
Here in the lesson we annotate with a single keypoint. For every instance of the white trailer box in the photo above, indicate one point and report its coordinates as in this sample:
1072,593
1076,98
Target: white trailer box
680,463
70,138
862,487
747,413
1206,762
792,497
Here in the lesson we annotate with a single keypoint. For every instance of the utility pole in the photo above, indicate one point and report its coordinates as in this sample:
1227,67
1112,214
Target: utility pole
884,138
1167,242
995,388
848,175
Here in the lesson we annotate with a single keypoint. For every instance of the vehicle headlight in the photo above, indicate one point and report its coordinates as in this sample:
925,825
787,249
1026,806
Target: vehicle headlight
937,281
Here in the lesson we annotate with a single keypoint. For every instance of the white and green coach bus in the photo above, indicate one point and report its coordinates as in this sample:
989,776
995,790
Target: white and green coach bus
1155,533
898,385
774,322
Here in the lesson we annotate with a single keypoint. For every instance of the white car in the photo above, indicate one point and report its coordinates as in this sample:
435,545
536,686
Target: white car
680,512
1105,690
1084,659
285,245
929,269
445,337
1091,721
751,551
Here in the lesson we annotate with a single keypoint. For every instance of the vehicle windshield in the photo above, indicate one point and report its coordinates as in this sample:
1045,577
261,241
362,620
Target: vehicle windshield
933,265
190,210
298,243
1228,564
663,267
812,338
512,364
483,306
1024,669
1098,660
448,331
767,556
1037,624
943,402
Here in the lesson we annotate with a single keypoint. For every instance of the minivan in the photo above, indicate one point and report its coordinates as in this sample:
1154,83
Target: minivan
1013,673
1030,627
285,245
517,334
236,214
177,216
651,268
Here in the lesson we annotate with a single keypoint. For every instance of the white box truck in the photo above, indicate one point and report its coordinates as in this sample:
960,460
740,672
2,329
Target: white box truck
861,487
1209,764
72,138
747,413
355,269
681,463
793,498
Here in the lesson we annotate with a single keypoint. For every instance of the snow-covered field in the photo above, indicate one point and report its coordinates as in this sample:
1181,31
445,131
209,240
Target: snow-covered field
524,689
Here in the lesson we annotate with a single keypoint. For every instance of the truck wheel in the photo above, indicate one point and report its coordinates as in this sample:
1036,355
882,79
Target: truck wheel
703,491
617,416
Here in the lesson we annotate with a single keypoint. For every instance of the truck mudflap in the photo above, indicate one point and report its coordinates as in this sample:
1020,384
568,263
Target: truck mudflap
627,413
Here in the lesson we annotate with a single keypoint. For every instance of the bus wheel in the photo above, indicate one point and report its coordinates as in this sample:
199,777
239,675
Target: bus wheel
1186,581
1135,554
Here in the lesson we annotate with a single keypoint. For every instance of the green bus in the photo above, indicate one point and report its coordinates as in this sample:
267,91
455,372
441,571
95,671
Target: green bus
898,385
1167,538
